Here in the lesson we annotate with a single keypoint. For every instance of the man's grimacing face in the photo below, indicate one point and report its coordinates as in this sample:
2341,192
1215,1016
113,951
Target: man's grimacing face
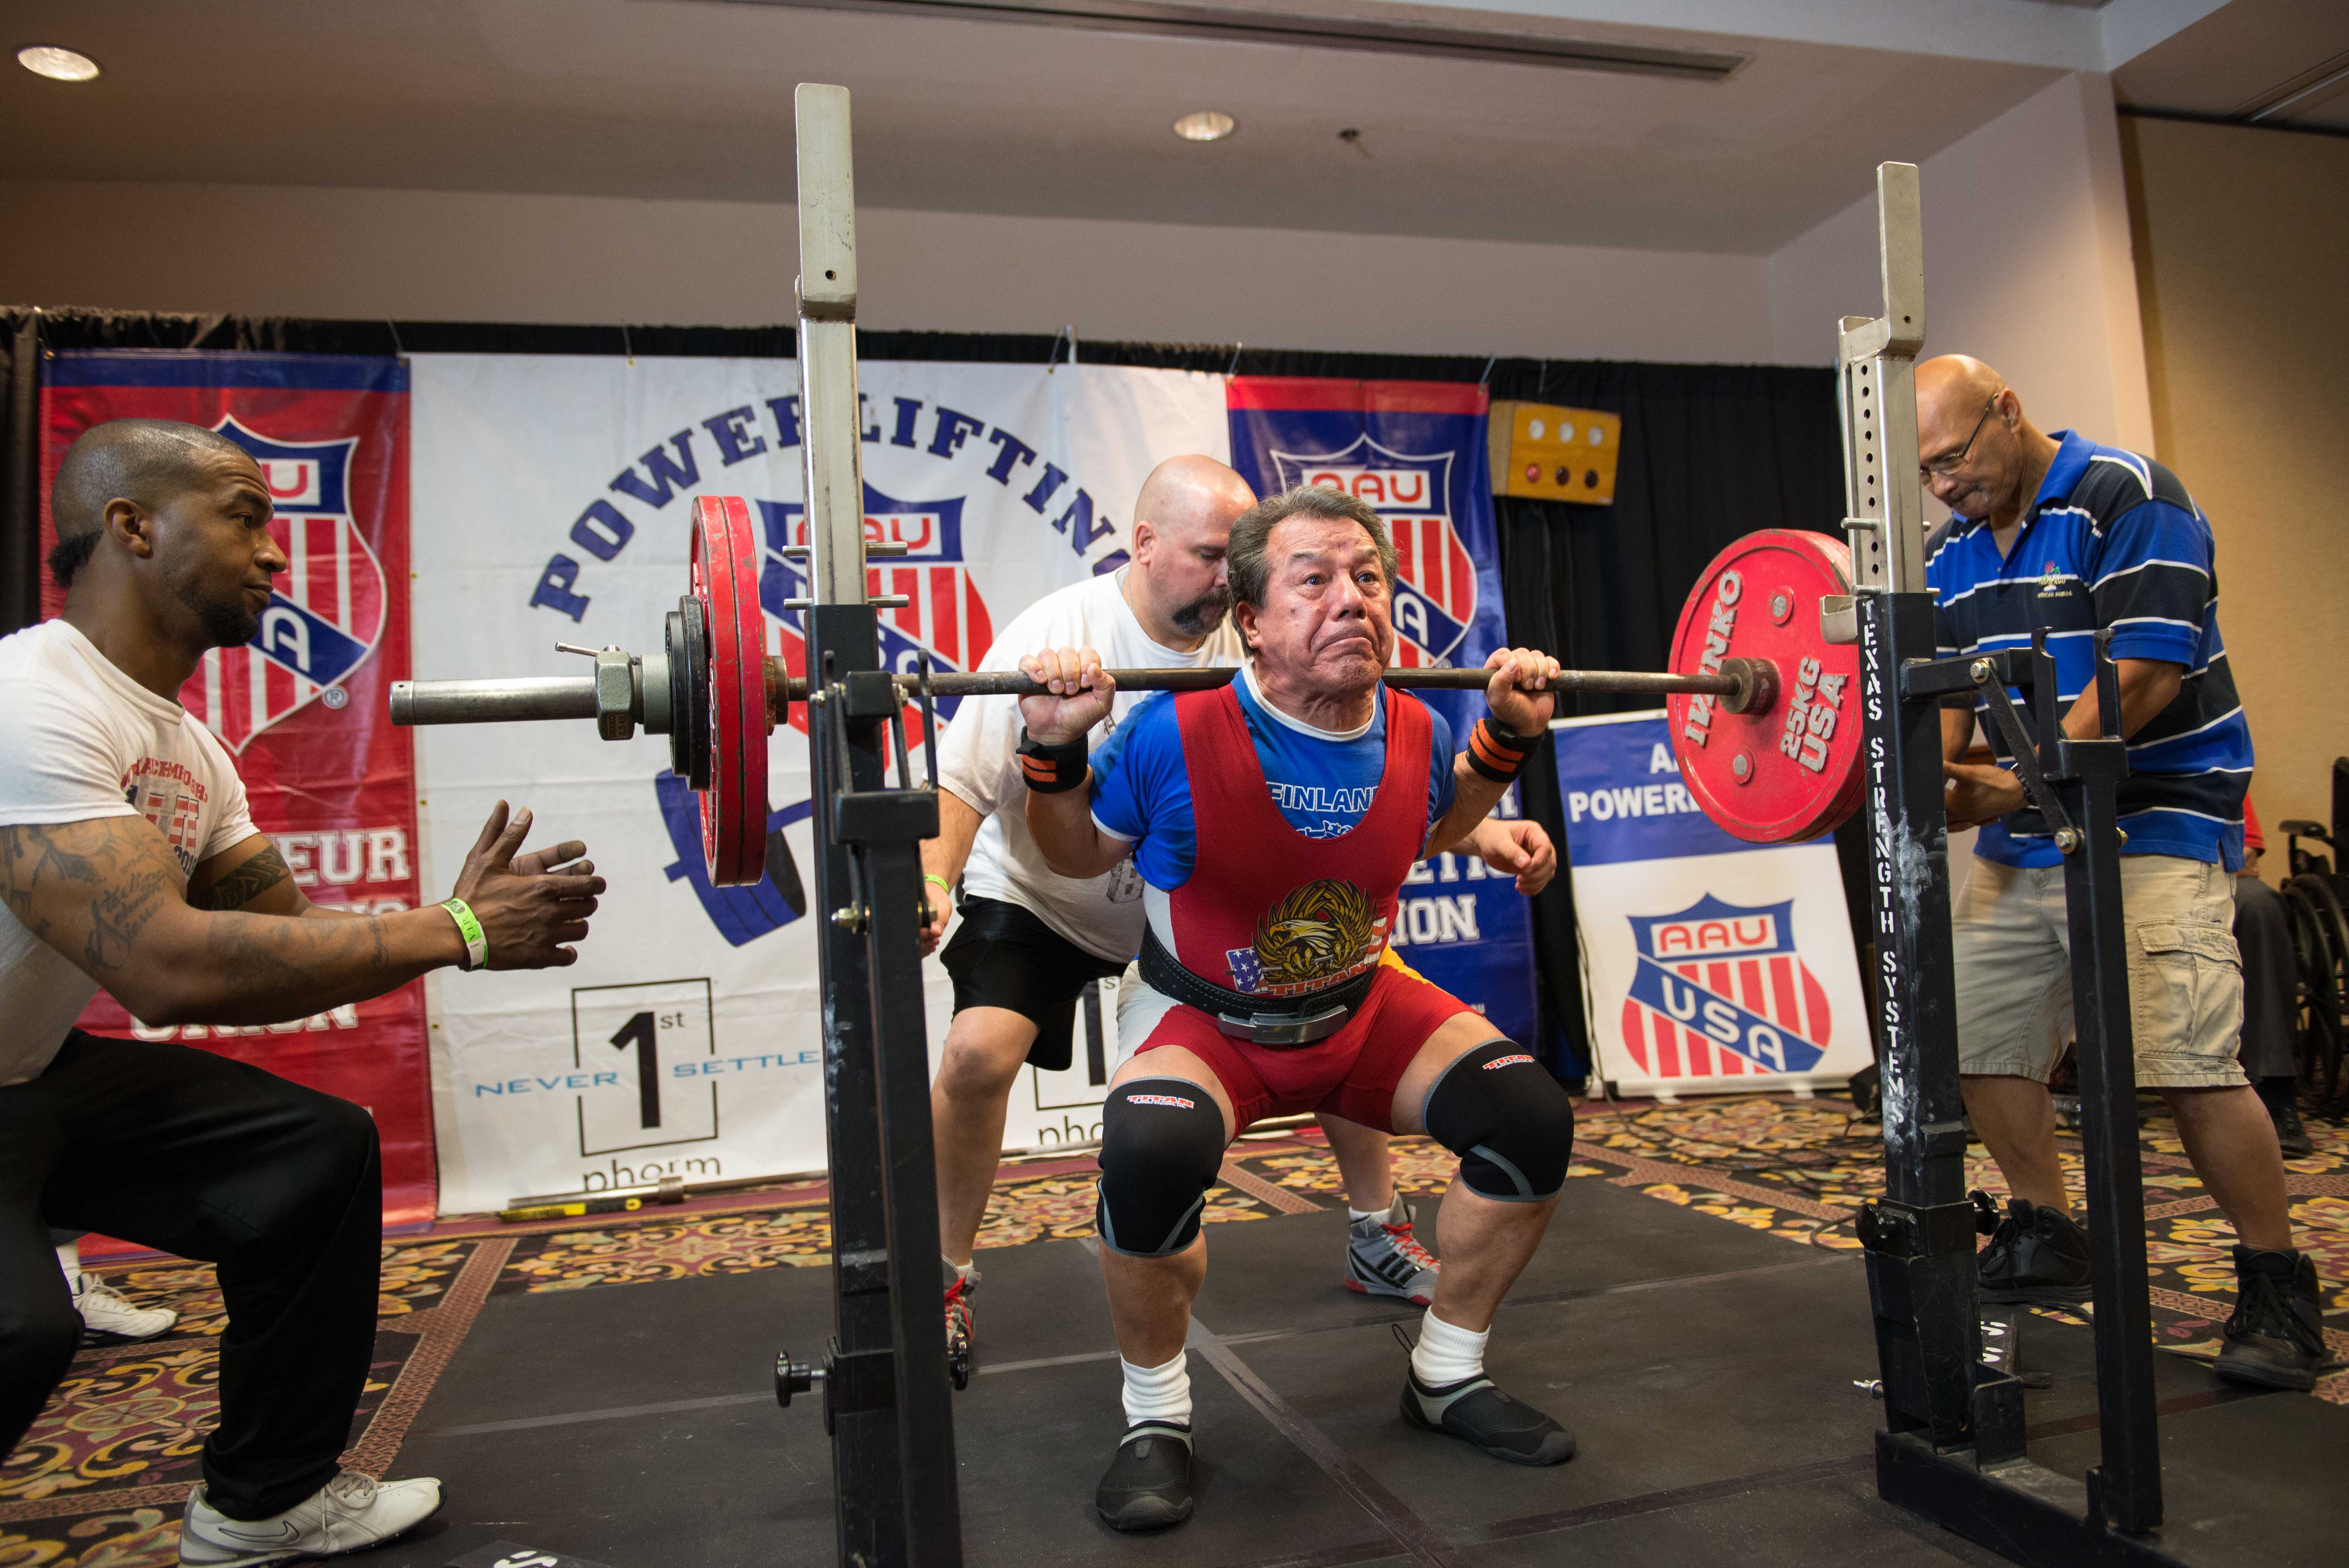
1328,615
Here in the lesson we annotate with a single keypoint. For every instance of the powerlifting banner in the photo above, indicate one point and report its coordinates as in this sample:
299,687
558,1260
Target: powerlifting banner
301,706
1415,451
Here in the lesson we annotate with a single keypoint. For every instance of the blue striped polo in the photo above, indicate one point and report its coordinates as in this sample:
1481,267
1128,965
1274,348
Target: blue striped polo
2111,540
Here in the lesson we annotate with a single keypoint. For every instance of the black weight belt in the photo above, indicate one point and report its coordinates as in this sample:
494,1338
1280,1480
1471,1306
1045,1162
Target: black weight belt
1280,1022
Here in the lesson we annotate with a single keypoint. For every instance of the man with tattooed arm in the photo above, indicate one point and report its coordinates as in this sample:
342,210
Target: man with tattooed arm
127,862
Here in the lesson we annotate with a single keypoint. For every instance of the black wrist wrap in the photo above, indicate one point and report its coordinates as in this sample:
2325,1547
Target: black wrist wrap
1052,769
1498,754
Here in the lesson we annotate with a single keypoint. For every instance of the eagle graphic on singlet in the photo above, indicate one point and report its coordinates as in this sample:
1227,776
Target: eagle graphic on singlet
1317,933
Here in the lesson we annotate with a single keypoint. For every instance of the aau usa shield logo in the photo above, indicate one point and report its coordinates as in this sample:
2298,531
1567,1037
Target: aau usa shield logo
1436,598
326,613
1720,991
943,612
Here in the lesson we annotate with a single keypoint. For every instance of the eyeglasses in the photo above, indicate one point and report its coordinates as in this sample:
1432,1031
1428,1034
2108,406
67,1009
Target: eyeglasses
1942,468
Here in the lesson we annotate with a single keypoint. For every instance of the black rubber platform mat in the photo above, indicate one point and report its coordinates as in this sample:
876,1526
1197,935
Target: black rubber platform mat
1707,1369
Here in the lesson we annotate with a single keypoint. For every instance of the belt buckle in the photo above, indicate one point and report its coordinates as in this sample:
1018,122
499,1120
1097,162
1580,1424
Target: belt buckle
1271,1029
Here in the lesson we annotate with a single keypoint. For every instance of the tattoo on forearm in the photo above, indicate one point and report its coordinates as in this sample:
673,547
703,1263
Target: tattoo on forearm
118,914
243,883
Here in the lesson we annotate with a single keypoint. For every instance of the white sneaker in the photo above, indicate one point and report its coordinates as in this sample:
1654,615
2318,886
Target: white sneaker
349,1514
108,1317
1382,1259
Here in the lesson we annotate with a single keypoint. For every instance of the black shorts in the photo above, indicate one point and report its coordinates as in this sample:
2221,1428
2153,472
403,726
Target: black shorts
1003,957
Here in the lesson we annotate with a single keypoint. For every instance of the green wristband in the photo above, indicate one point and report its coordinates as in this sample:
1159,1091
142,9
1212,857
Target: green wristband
944,885
477,945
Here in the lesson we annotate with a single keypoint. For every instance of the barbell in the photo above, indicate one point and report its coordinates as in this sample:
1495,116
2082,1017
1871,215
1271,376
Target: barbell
1755,695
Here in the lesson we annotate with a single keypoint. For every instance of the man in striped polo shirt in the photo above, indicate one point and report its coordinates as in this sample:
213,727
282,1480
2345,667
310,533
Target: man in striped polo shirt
2056,531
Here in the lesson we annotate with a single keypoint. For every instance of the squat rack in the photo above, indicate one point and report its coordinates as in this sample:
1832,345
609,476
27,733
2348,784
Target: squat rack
1953,1451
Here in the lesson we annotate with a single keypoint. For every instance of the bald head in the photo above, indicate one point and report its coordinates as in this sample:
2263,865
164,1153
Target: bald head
142,460
1982,457
1181,521
1191,491
1950,383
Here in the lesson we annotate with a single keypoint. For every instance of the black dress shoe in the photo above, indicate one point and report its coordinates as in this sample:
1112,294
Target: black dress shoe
2036,1256
2276,1338
1479,1414
1148,1486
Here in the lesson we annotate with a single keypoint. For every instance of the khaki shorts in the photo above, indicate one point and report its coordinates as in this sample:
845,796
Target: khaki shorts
2185,976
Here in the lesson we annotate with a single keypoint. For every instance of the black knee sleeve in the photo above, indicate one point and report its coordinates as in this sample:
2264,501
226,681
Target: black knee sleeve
1162,1146
1509,1120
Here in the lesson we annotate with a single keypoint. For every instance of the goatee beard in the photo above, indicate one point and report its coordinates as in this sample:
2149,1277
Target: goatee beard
226,623
1201,616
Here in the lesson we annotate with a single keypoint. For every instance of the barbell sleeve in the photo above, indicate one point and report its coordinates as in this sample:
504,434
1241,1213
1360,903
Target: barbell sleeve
519,697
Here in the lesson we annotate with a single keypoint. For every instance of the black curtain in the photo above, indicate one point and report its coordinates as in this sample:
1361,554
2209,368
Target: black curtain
1709,452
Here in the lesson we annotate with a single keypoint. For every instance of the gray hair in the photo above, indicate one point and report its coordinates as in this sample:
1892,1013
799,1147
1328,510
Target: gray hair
1244,561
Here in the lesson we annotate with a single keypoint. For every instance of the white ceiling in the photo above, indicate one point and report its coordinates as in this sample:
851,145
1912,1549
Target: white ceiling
691,98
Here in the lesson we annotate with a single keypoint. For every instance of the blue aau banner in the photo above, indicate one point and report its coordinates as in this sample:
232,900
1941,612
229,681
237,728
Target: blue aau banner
1710,964
1415,451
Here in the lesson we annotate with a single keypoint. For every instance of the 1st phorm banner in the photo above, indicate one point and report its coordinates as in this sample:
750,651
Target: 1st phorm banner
301,706
1415,451
553,499
1712,965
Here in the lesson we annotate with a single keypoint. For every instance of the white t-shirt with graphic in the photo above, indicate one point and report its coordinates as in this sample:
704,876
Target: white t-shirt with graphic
978,761
83,740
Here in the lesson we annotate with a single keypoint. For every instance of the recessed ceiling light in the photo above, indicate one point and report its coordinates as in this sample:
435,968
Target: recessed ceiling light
1206,125
58,65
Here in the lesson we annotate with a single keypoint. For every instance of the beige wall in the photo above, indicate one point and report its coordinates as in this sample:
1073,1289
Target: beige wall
2242,257
2026,264
454,256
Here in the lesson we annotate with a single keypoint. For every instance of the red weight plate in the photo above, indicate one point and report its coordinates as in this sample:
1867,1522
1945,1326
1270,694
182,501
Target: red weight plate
1791,772
726,580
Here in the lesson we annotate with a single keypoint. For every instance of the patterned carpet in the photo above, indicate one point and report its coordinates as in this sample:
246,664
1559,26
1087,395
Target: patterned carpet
100,1479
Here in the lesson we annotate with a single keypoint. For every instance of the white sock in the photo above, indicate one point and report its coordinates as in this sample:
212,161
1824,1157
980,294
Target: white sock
1386,1214
960,1271
1446,1354
1157,1393
70,1259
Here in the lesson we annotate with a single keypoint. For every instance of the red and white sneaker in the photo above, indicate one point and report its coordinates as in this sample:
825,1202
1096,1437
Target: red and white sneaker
1382,1258
962,1334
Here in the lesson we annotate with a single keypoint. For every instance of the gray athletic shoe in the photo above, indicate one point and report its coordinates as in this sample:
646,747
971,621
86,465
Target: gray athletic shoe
349,1514
1382,1259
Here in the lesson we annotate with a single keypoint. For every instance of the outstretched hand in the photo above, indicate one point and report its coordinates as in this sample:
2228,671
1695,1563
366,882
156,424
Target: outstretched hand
1525,712
530,906
1081,693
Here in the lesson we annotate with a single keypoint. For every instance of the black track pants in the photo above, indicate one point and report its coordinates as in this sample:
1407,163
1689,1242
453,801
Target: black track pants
192,1154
